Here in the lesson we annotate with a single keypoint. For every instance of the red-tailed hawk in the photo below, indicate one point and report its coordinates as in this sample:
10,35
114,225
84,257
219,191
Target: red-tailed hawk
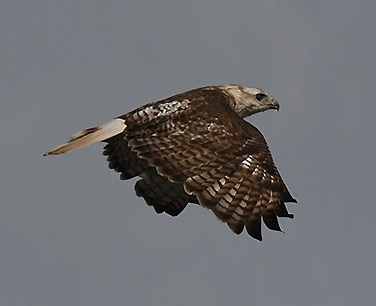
195,147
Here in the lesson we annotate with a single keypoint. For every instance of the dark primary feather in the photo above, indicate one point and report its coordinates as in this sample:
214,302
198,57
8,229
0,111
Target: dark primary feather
195,148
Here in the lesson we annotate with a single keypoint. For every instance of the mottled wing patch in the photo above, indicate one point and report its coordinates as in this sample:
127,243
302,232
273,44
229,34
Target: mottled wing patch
157,111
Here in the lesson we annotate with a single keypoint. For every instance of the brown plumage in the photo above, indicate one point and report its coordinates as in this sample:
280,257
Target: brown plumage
195,147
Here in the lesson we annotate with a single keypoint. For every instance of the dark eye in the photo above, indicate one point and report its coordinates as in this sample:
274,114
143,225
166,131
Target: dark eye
260,96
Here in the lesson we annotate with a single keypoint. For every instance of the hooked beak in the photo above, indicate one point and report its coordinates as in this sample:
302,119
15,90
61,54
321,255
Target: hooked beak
274,104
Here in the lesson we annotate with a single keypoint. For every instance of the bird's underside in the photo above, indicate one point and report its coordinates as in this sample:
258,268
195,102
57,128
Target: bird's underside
196,148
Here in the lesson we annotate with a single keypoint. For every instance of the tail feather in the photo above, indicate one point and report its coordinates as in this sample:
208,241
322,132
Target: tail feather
90,136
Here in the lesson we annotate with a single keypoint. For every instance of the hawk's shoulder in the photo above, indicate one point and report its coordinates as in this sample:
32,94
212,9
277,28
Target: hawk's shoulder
204,100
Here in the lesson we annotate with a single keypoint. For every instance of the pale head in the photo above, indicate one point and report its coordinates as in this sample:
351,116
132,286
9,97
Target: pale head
249,100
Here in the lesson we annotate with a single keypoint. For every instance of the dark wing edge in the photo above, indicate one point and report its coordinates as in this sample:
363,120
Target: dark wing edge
157,190
251,193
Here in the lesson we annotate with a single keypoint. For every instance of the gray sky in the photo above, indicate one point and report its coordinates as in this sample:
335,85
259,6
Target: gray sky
72,233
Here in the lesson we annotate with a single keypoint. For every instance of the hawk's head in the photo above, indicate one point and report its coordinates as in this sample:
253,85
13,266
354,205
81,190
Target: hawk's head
247,100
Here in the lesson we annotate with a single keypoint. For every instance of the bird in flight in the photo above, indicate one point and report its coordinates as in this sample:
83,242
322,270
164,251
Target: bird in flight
195,147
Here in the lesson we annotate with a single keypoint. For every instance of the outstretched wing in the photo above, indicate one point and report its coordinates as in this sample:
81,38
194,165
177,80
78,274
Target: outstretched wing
219,159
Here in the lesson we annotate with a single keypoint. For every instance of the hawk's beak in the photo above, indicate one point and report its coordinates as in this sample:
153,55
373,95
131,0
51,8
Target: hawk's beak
274,104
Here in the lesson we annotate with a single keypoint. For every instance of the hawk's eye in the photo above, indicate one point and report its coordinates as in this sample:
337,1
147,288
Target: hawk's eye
260,96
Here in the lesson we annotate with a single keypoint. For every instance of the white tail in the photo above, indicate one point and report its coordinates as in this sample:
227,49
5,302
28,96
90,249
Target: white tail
90,136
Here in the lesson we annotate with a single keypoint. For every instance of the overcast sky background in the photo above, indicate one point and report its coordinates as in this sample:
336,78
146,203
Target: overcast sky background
72,233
